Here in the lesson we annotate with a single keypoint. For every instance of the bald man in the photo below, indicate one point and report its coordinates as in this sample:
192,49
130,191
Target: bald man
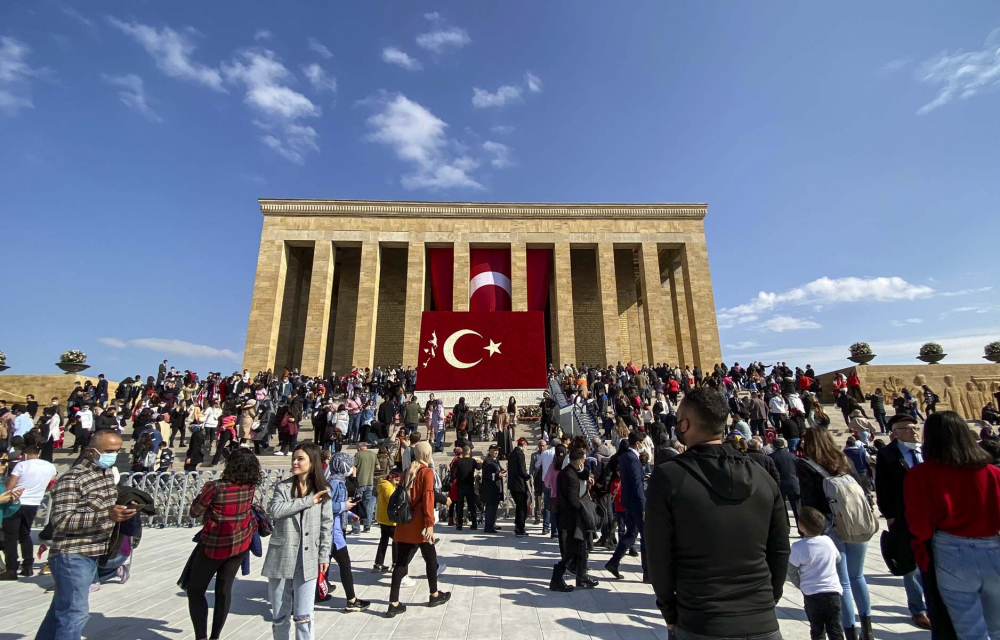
83,515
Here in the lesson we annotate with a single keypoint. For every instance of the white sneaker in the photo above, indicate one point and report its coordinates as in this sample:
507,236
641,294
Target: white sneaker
407,582
279,453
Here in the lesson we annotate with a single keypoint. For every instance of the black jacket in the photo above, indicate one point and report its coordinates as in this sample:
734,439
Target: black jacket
890,470
697,504
491,489
517,472
568,497
196,448
765,461
784,462
792,427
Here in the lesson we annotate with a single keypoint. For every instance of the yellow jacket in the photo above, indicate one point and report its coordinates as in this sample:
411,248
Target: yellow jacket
384,492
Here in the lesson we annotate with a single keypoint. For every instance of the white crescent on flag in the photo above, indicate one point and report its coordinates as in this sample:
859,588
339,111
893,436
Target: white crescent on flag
449,349
489,278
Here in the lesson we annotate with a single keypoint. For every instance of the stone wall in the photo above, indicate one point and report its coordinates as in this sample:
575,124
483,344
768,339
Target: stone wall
891,379
391,308
348,266
588,324
14,387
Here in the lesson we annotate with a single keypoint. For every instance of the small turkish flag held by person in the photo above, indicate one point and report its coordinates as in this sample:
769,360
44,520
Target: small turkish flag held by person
489,350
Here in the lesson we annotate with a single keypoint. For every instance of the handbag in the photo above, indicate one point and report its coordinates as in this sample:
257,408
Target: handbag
264,525
896,551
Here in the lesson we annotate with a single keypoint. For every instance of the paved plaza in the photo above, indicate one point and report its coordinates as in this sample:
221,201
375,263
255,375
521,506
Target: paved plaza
499,587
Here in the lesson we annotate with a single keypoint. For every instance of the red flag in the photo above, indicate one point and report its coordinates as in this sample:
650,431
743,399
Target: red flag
489,279
460,351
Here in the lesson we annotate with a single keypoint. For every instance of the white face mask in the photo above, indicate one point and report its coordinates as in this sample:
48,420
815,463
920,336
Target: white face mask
912,446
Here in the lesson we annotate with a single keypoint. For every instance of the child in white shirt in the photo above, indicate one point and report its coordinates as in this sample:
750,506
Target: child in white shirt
812,567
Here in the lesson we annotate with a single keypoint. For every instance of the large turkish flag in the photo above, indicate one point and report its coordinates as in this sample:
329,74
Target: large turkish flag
489,279
489,350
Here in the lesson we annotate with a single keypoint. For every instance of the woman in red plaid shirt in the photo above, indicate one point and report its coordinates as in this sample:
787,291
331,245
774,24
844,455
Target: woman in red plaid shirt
225,537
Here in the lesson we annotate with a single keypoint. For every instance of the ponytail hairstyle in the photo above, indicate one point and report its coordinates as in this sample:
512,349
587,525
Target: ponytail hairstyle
421,458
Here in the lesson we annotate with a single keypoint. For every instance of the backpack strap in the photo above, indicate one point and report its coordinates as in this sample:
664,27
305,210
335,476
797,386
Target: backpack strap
818,469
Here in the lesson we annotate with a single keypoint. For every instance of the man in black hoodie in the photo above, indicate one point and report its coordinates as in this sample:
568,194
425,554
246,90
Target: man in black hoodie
698,505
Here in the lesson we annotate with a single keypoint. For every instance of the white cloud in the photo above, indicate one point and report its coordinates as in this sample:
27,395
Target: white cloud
395,56
482,99
742,346
262,34
132,93
965,292
895,65
295,142
182,348
320,81
16,75
502,129
534,82
442,39
782,323
906,322
502,154
113,342
79,17
320,48
264,76
962,74
825,291
417,137
171,50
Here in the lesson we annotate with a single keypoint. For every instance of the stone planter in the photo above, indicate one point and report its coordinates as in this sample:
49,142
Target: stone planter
994,358
933,358
862,359
3,368
73,367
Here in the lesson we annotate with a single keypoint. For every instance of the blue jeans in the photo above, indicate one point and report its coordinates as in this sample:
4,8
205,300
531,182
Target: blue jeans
293,596
70,608
851,571
914,586
368,499
968,575
110,570
793,444
353,426
439,439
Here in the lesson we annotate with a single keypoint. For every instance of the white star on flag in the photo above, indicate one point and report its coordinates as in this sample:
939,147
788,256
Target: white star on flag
494,347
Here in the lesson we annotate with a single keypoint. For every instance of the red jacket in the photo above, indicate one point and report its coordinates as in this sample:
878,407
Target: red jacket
804,383
962,502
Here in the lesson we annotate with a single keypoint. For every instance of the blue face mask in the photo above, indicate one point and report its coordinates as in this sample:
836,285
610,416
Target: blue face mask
107,460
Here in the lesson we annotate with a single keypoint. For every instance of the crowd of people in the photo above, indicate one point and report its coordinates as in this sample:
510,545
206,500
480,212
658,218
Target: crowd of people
700,476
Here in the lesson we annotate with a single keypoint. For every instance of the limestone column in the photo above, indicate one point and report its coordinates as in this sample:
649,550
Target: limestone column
318,311
265,308
701,306
565,339
682,329
364,335
518,276
415,280
609,301
460,290
656,300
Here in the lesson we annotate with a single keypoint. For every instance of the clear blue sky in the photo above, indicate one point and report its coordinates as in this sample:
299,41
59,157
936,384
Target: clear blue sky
838,141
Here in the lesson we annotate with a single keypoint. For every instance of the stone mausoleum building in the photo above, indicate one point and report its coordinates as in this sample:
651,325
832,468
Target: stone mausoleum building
343,283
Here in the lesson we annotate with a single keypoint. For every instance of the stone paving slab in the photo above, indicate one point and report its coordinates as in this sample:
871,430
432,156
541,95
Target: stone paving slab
499,587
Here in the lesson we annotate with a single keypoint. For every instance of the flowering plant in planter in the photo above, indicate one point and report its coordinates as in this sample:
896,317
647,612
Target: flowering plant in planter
530,412
931,349
3,358
73,356
992,350
861,349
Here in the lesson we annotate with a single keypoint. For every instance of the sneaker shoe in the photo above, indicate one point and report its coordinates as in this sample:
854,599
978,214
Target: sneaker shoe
279,453
45,570
9,575
394,610
123,574
632,552
438,600
613,571
380,568
366,530
407,582
357,605
96,586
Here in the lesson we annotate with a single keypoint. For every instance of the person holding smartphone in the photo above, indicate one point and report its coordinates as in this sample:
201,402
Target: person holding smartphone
340,466
300,546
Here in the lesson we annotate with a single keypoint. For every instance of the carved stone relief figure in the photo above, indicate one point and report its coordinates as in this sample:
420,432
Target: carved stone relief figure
954,397
917,391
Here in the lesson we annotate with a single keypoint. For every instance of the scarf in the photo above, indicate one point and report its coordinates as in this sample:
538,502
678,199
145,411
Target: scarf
339,466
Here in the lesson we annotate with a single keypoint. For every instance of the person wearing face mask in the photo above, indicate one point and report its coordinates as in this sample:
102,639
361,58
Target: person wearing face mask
697,503
83,514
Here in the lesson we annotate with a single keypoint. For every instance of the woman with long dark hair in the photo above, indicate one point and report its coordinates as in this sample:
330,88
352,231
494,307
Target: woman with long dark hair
818,446
300,548
225,537
340,466
953,508
418,533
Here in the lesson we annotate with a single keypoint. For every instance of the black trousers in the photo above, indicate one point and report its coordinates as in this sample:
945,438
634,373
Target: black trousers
490,515
466,495
223,449
823,611
794,502
406,553
17,529
343,560
174,431
570,550
203,569
383,543
520,510
47,448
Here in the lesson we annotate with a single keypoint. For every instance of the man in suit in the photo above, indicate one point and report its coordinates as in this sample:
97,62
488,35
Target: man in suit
102,390
570,484
491,488
788,483
893,463
517,484
633,497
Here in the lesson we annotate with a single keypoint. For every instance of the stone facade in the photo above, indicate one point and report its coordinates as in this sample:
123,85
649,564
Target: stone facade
14,388
343,283
964,388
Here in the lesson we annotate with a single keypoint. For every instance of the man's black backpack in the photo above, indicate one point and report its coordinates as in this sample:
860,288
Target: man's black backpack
399,509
